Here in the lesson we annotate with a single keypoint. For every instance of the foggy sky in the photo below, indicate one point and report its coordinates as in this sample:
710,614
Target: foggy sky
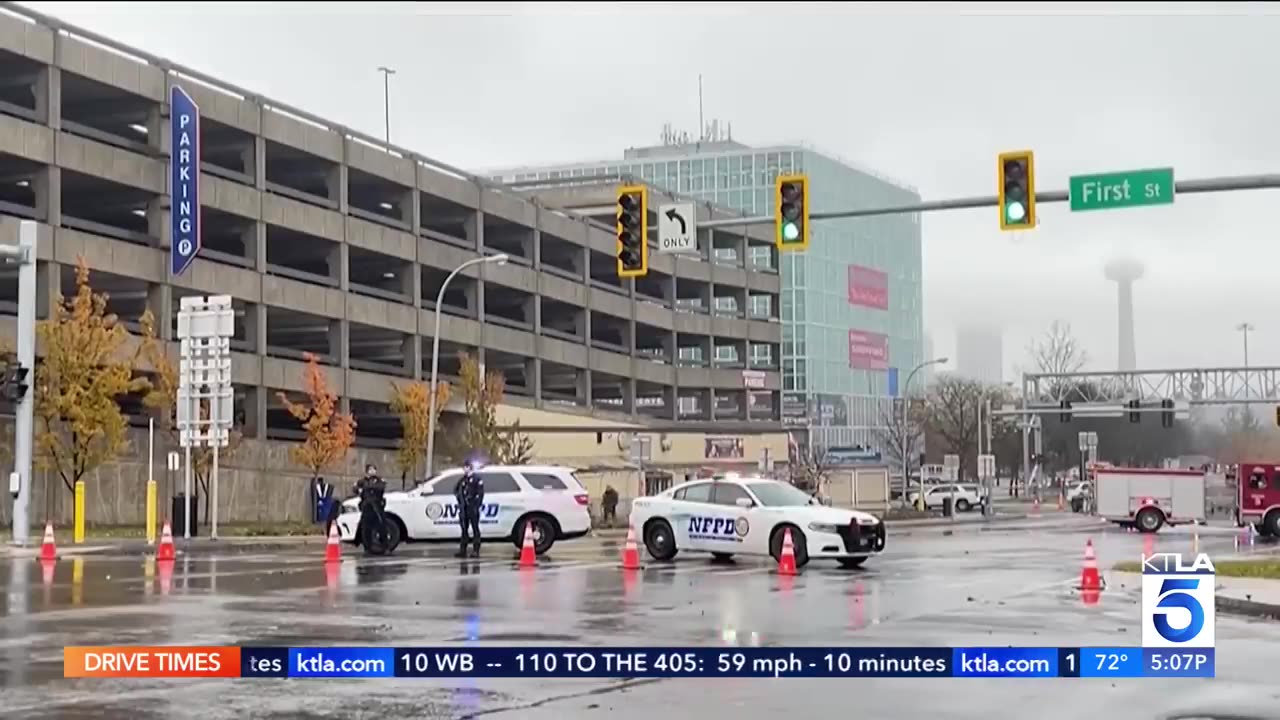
926,95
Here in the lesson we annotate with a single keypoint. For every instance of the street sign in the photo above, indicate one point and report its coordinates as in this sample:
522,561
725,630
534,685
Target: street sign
641,449
1131,188
184,180
677,229
986,467
951,467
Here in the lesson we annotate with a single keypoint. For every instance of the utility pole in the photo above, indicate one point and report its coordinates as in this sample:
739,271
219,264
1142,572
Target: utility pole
24,254
386,98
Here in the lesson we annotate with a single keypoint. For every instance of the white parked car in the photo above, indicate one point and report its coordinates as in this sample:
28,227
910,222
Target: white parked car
1078,488
964,497
734,515
549,498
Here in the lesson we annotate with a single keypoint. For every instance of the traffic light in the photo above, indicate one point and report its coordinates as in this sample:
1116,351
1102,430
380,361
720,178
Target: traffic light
633,231
1134,415
791,213
1017,190
15,383
1065,415
1166,413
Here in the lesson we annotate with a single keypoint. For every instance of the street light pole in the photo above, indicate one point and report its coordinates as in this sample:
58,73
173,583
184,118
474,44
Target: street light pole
1245,328
906,454
386,98
500,259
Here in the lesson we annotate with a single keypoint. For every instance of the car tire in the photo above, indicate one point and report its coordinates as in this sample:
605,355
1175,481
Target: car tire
1149,520
660,540
852,563
798,544
544,532
963,505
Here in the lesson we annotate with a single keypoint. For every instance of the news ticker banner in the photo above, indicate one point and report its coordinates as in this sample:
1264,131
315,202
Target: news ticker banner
633,662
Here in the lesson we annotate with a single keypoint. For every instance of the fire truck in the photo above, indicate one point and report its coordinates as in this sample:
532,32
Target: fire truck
1149,498
1259,497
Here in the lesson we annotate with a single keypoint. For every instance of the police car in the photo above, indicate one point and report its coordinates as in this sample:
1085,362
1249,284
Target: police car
548,498
732,515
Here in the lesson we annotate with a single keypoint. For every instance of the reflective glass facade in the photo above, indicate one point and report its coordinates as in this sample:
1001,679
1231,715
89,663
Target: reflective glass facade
830,383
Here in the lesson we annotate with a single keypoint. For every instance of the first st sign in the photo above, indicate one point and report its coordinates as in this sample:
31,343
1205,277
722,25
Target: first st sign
1132,188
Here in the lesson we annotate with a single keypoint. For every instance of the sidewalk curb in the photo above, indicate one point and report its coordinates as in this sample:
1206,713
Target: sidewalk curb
1227,603
1246,608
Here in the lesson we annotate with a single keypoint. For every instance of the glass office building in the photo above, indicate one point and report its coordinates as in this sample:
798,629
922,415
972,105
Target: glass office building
851,306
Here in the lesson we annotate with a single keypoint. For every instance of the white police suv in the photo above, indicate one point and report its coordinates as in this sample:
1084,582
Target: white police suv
549,498
732,515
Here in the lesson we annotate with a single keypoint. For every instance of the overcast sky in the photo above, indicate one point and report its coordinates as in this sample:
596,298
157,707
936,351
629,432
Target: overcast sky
922,93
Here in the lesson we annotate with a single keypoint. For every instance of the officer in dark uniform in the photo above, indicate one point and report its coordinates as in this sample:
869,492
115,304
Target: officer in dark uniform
470,495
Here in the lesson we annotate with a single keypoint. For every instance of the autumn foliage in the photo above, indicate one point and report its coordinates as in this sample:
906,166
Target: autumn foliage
162,400
330,433
482,392
85,368
412,403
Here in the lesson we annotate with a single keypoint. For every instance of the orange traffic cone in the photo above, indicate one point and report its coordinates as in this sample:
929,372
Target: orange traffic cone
165,550
48,551
787,560
631,553
528,558
1062,502
1089,578
1035,507
333,549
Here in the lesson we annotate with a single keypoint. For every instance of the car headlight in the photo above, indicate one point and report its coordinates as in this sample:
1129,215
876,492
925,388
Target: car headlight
824,528
868,520
351,506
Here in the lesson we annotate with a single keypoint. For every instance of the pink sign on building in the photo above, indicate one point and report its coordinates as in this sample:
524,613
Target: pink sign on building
868,287
868,350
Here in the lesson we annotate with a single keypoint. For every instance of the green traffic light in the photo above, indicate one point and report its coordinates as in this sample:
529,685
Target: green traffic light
1015,212
790,232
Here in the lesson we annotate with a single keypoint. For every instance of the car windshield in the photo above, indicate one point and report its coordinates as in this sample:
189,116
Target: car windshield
776,494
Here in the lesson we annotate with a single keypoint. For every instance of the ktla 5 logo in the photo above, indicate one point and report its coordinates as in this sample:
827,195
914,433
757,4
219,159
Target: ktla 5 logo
1177,601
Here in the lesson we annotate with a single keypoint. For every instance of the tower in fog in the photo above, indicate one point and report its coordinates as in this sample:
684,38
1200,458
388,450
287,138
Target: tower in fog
1123,272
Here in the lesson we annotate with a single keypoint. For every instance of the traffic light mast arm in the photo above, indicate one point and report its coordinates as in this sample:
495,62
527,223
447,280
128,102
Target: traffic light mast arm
1183,187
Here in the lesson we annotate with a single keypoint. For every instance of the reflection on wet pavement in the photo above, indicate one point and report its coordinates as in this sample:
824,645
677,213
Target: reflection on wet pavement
1010,587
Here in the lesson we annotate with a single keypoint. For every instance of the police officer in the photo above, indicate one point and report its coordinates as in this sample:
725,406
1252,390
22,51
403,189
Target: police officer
470,496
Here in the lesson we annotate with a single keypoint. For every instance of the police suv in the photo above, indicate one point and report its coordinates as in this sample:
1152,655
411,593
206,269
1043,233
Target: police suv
548,498
731,515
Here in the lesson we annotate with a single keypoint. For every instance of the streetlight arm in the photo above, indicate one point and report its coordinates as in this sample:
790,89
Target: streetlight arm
435,353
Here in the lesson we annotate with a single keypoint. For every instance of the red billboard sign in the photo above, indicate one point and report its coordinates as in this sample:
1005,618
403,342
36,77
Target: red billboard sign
868,287
868,350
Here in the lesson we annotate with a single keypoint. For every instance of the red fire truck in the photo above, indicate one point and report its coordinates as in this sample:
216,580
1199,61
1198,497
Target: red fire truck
1259,499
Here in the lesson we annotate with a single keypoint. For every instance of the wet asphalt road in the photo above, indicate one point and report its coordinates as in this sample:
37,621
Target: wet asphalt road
1009,585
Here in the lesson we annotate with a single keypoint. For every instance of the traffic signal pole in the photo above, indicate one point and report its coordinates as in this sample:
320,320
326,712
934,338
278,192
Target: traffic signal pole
25,255
1183,187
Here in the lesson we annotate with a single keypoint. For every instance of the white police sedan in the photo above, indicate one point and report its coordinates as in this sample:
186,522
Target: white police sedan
734,515
548,498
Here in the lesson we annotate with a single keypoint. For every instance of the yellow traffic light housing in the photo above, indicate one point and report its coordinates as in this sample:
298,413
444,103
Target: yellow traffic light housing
633,231
1017,190
791,213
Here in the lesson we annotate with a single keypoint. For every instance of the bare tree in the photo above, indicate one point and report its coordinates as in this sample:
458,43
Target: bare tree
953,409
902,438
1058,352
811,468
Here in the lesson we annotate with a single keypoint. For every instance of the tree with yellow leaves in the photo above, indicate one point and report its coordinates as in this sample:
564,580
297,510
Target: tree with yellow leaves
330,433
482,393
412,403
162,400
84,370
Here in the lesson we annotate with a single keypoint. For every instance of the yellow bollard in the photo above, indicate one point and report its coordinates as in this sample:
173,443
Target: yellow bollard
77,581
79,529
151,512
